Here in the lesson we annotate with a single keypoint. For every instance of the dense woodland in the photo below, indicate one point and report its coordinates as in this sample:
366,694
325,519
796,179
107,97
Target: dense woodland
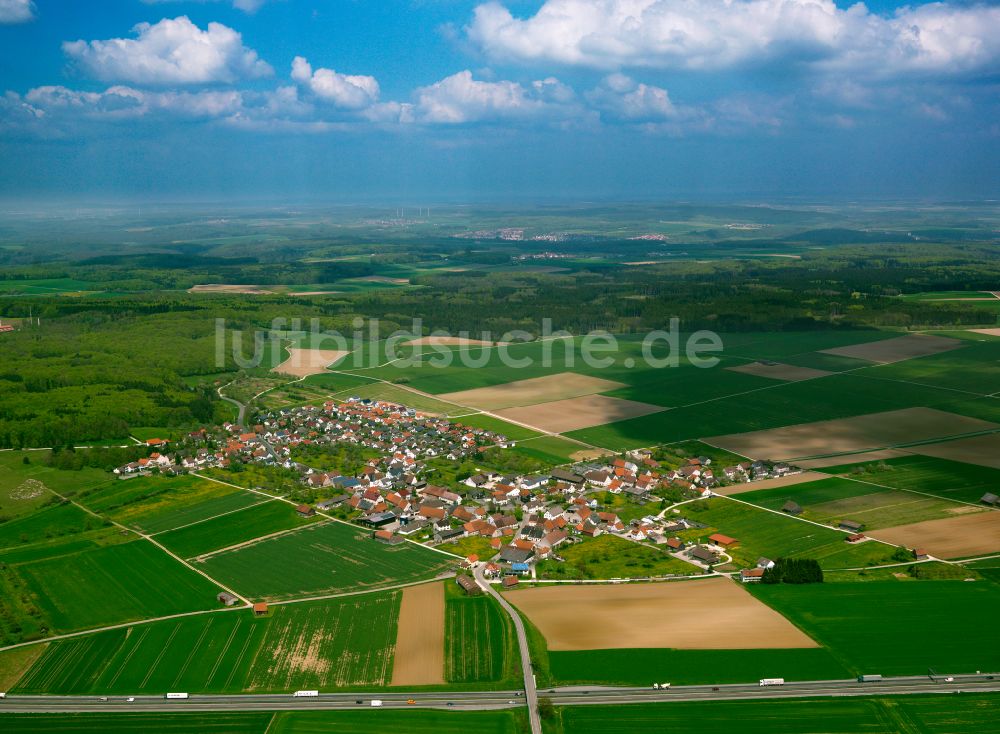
135,349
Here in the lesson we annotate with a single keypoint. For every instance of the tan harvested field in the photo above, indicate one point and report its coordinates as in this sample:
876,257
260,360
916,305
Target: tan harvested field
560,416
879,455
849,435
447,341
896,350
254,290
532,391
589,454
988,332
953,537
383,279
704,614
15,663
981,450
786,372
787,481
305,362
419,659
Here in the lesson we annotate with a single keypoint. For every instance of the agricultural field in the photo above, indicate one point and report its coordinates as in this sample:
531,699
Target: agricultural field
52,521
931,714
552,450
177,501
975,368
705,614
210,722
420,635
561,386
341,558
965,536
609,557
25,487
225,531
470,545
979,450
875,627
411,722
836,498
331,644
479,641
116,583
397,394
764,533
953,480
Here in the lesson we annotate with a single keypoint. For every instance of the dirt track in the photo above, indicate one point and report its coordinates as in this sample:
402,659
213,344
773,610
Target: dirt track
785,372
419,657
952,537
705,614
787,481
532,391
583,412
849,435
896,350
305,362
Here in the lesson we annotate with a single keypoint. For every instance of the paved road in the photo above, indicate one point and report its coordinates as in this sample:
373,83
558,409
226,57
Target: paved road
530,694
485,700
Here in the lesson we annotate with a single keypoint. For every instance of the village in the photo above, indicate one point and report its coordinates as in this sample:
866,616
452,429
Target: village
512,521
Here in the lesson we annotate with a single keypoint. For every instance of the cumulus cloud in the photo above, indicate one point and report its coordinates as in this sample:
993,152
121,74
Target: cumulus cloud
16,11
938,38
621,97
170,52
459,98
343,90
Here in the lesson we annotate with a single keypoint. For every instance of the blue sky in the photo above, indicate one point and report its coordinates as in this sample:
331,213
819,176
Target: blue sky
420,100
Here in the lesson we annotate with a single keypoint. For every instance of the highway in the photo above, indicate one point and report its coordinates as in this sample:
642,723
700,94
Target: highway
485,700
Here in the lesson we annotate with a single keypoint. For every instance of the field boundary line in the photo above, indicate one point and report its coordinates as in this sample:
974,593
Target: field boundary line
360,592
213,517
912,491
253,541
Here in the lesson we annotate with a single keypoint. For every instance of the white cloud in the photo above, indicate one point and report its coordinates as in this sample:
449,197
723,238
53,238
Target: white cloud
16,11
343,90
170,52
460,98
619,96
714,34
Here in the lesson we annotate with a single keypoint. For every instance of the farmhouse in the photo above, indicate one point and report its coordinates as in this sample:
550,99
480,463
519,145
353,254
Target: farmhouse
387,537
469,586
724,540
854,538
228,599
751,575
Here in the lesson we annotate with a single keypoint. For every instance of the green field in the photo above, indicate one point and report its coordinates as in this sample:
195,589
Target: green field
882,626
177,501
116,583
49,522
764,533
479,643
420,721
550,449
641,667
974,368
972,713
323,645
831,500
20,495
608,557
953,480
322,559
236,527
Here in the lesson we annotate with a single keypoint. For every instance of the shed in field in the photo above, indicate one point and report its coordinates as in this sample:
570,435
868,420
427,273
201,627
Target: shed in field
792,508
990,499
260,609
305,511
852,525
469,586
509,582
228,599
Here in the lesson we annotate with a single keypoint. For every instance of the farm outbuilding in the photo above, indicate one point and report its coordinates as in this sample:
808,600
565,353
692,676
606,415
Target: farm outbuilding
990,499
260,609
305,511
852,525
469,586
724,540
792,508
228,599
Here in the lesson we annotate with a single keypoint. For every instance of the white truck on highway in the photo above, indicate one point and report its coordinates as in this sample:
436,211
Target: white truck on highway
177,695
305,694
376,702
660,686
3,695
772,681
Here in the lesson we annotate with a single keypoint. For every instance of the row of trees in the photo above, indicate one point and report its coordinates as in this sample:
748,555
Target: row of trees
794,571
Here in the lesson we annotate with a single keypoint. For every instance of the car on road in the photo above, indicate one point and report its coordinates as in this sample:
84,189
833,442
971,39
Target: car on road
103,698
410,701
130,699
949,679
451,703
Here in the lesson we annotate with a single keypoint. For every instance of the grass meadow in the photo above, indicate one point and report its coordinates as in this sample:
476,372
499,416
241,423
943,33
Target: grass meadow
607,557
953,480
888,715
897,627
324,645
327,558
764,533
